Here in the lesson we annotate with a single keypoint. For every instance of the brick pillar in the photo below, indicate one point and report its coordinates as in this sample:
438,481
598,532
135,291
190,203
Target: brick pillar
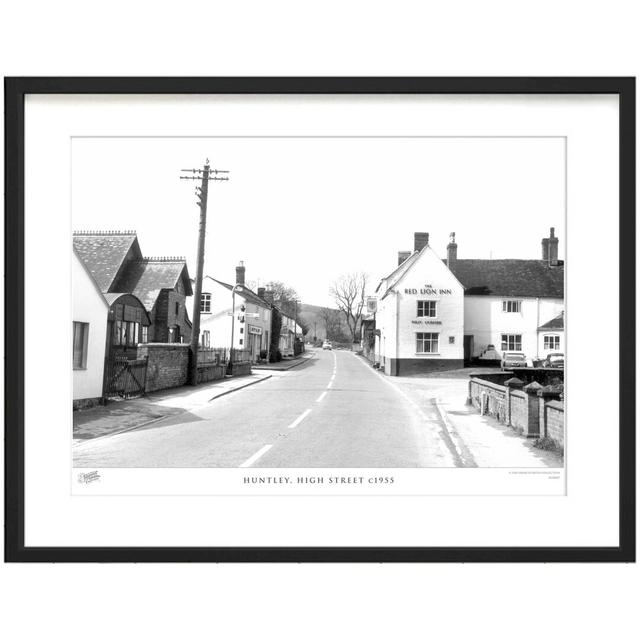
550,392
510,384
532,428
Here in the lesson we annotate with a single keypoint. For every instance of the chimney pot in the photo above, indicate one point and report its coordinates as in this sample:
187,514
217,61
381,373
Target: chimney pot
420,240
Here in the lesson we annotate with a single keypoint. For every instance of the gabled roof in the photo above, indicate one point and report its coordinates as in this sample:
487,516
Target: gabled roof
399,270
113,297
556,323
512,278
246,293
103,253
146,278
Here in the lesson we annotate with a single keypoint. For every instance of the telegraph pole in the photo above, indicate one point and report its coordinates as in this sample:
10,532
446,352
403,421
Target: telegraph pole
205,175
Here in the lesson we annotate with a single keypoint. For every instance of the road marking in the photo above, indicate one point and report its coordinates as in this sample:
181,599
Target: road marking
255,456
330,383
299,419
322,395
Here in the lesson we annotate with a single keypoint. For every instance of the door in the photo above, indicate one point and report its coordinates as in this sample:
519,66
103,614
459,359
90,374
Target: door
468,349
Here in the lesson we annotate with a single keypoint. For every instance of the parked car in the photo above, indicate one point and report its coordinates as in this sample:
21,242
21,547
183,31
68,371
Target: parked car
512,359
554,360
326,345
489,354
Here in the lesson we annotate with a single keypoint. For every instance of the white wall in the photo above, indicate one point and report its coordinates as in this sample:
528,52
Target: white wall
486,321
427,279
89,306
218,322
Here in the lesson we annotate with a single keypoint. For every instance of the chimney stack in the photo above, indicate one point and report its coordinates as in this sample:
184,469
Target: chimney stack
240,273
452,250
402,256
261,291
553,248
550,248
268,295
420,240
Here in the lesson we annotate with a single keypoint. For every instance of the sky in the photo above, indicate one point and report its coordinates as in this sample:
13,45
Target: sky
307,210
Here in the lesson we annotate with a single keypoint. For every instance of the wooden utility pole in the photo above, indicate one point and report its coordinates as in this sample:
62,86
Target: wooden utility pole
204,175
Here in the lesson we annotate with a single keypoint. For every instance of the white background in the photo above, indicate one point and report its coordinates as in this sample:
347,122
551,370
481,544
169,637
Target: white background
468,38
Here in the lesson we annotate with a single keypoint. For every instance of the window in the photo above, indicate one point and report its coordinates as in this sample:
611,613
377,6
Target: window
145,334
426,308
512,306
177,308
205,303
205,339
80,340
511,342
552,342
427,342
452,339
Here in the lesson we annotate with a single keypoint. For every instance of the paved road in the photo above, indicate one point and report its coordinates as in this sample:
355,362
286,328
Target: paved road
332,411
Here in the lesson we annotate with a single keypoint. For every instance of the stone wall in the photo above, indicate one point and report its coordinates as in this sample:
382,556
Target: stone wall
168,365
555,422
533,410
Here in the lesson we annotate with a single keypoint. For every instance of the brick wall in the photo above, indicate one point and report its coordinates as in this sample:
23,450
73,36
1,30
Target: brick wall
209,371
168,365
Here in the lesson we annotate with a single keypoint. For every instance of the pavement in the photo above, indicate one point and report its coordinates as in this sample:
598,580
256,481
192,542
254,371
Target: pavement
118,416
283,365
332,410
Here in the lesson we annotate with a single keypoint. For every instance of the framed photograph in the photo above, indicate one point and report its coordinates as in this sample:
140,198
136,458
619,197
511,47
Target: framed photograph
320,319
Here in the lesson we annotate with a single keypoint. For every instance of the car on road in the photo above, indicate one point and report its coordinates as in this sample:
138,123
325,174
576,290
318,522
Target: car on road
554,360
512,359
326,345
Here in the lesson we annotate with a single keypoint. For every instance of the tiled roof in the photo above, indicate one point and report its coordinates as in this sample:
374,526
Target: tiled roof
246,293
146,278
555,323
527,278
103,253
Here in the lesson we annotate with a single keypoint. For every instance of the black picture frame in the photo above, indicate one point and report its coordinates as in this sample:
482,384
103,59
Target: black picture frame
15,91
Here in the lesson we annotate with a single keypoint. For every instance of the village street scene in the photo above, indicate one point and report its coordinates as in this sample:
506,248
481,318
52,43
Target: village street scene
436,360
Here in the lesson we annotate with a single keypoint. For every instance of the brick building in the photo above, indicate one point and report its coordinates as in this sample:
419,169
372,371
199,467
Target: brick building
160,284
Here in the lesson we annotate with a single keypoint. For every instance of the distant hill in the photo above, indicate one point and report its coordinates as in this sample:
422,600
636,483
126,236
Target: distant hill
313,317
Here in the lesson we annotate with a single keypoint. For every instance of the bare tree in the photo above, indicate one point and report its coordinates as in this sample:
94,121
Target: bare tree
331,321
349,295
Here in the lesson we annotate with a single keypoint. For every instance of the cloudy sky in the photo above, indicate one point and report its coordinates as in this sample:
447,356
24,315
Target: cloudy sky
306,210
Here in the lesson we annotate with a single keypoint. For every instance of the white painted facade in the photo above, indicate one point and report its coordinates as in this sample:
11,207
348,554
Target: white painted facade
91,309
420,315
253,334
288,331
488,319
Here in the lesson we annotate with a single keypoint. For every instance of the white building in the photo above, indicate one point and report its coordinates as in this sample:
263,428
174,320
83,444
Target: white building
89,338
251,316
436,314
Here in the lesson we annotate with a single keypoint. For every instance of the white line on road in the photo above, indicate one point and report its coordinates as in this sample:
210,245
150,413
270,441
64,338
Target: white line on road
299,419
330,383
255,456
322,395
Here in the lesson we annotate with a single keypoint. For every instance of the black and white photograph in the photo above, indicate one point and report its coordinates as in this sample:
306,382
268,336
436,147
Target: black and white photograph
318,302
359,316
